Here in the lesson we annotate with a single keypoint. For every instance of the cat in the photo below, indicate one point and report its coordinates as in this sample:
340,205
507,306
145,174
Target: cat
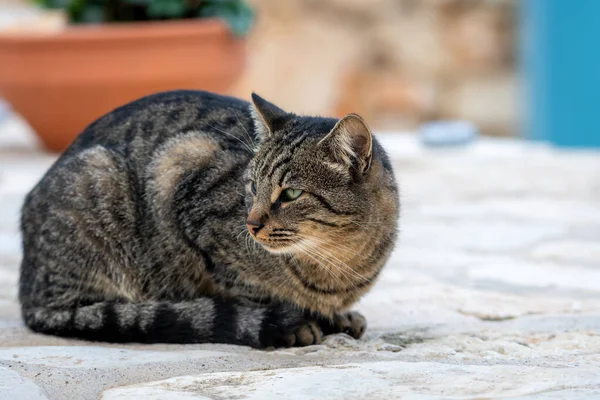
191,217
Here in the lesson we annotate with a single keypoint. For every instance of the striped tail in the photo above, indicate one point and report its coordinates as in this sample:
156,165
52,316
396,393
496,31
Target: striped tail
203,320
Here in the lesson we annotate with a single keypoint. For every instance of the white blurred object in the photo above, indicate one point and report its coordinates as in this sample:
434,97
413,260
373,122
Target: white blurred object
447,133
23,18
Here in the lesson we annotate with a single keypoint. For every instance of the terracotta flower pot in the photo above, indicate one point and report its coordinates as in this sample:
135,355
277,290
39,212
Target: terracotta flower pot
61,82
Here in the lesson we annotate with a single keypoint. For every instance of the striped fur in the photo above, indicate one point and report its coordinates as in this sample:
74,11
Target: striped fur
136,233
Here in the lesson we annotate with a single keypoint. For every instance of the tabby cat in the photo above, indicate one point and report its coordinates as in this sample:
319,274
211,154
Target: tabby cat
189,217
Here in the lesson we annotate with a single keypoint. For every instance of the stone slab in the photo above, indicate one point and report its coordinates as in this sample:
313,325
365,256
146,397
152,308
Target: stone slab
381,380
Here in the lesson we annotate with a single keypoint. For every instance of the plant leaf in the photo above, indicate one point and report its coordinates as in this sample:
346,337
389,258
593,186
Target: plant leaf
166,8
54,4
92,14
143,3
236,13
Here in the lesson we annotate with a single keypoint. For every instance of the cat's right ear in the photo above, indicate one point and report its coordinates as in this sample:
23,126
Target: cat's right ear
268,118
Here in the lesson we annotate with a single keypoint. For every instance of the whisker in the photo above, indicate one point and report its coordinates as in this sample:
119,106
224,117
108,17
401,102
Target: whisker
234,137
284,230
350,269
281,235
363,224
244,229
245,130
340,246
253,242
249,248
305,251
316,252
368,222
341,271
280,239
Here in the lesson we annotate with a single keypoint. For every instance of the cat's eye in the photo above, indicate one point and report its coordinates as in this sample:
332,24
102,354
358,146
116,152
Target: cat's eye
253,188
290,194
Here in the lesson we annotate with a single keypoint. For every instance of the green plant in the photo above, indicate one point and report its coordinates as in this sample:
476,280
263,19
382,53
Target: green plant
236,13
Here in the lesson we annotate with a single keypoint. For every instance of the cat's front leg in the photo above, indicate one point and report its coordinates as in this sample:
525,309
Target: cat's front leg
351,323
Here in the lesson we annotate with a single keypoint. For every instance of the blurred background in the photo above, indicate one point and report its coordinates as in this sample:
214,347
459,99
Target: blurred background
510,68
397,62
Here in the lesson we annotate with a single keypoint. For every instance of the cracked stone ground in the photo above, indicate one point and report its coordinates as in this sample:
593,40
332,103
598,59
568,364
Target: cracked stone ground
493,292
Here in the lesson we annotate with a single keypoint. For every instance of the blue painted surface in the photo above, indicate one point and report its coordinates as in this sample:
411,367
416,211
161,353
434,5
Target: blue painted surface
560,50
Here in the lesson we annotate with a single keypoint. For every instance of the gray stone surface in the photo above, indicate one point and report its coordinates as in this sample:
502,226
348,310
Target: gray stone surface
379,380
493,292
15,387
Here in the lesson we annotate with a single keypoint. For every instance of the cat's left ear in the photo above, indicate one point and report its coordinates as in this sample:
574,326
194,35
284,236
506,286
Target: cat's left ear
351,142
268,118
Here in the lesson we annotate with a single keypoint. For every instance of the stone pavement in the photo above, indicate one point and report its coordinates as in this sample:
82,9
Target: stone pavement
493,292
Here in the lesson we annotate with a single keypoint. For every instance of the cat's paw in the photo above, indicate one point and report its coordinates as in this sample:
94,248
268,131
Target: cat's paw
351,323
286,325
306,334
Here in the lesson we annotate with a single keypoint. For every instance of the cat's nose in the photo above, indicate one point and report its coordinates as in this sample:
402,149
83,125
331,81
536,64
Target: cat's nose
254,226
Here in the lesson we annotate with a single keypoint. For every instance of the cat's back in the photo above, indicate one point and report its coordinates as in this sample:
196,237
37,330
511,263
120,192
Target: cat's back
137,148
145,124
132,137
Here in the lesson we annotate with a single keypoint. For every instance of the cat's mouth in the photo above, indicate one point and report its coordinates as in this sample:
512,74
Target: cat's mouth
277,244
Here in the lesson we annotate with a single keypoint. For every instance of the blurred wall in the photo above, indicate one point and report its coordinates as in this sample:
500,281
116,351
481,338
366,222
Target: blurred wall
396,62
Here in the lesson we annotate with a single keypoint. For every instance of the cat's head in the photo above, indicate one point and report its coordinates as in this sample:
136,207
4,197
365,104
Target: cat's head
313,182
